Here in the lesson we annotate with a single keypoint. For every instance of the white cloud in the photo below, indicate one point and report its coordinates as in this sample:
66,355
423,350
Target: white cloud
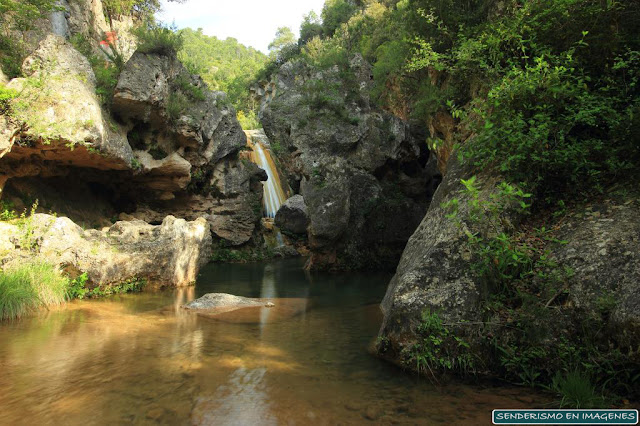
251,22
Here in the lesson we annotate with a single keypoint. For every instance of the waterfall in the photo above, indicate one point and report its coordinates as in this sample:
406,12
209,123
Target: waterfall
274,194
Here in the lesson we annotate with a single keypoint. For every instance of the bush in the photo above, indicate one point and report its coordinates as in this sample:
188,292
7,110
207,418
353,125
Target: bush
29,287
248,121
158,38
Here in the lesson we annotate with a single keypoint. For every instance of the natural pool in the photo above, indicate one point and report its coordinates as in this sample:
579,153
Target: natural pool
141,359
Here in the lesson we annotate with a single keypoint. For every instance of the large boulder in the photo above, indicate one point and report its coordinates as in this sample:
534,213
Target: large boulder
364,174
169,254
435,272
293,216
595,252
65,124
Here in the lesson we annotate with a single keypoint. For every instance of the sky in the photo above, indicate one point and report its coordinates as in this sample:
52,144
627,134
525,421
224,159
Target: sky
252,22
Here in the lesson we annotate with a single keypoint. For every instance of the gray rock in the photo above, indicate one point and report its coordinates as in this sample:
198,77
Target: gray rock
201,173
359,169
603,252
435,269
170,254
224,300
293,216
66,113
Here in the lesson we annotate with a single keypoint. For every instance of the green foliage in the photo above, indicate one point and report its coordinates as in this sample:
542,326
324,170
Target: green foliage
6,95
77,287
137,8
29,287
158,38
336,13
106,72
310,28
223,254
500,255
6,211
177,104
17,16
135,164
248,121
552,110
224,65
284,37
577,391
438,348
193,91
131,285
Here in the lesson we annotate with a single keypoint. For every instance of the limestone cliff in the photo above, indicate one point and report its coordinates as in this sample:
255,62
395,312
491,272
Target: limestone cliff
365,175
166,146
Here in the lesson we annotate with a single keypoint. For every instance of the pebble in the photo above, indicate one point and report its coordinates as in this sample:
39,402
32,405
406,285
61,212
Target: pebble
373,413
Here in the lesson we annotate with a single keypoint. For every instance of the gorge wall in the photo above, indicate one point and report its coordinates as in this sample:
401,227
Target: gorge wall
366,177
165,146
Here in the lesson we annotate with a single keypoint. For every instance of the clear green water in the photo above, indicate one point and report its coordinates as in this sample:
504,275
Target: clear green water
140,359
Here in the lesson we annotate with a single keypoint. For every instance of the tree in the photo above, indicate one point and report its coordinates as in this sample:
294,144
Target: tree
311,27
335,13
284,37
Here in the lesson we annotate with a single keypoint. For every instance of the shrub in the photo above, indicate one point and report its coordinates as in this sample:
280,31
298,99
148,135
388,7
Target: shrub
577,391
439,350
248,121
29,287
158,38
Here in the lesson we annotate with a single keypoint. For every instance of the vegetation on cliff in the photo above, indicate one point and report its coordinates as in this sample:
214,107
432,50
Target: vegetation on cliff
544,95
225,65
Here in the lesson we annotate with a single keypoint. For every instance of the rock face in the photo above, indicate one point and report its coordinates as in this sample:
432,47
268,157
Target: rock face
167,147
186,140
293,216
170,254
435,271
436,274
151,160
65,124
603,251
365,175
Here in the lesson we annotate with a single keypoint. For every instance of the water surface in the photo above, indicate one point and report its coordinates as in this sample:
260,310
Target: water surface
141,359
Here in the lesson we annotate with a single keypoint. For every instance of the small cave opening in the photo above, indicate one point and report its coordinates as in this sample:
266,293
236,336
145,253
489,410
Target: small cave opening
136,137
88,203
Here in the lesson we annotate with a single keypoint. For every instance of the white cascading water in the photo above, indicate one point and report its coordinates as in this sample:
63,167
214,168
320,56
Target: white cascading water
273,195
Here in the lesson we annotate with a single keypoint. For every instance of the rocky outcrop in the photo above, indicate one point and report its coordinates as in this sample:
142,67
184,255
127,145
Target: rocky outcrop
603,253
435,272
293,216
186,140
169,254
597,246
223,300
146,163
365,175
65,125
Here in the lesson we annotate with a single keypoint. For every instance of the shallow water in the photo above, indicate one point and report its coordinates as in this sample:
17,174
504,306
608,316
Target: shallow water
141,359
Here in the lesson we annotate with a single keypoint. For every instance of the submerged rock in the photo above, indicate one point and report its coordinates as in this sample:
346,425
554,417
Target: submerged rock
224,300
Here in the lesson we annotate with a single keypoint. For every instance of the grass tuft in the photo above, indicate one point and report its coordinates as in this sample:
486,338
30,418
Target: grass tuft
29,287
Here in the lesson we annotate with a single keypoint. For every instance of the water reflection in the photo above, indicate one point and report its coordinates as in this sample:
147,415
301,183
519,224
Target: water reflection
242,401
267,291
138,359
